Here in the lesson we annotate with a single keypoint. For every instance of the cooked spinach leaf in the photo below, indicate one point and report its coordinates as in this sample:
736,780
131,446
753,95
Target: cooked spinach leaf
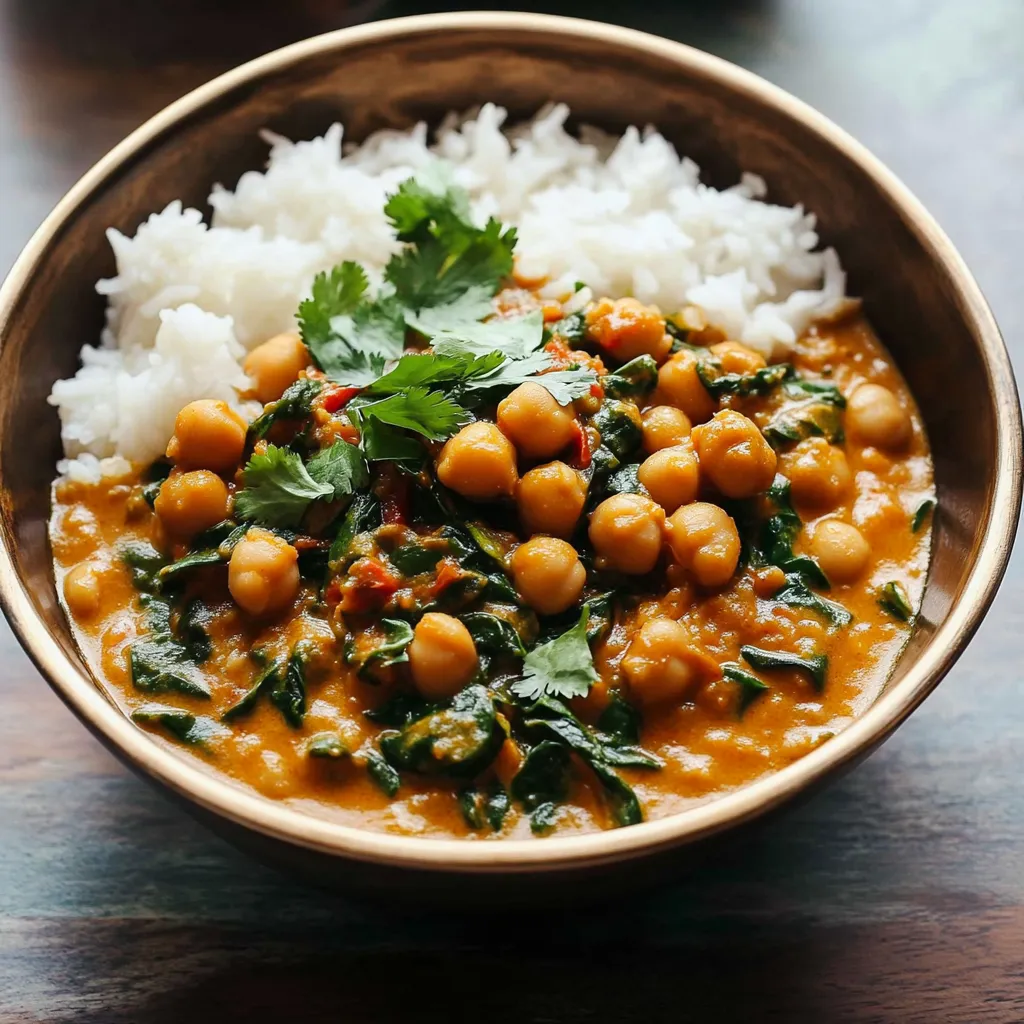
295,404
144,563
760,382
285,684
624,480
797,594
893,599
457,741
815,665
484,805
813,418
750,686
494,636
327,746
618,423
382,773
193,630
921,514
368,652
362,516
542,781
160,664
415,559
619,722
632,379
194,730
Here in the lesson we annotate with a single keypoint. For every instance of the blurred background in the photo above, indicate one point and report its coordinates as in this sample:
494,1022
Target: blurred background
897,895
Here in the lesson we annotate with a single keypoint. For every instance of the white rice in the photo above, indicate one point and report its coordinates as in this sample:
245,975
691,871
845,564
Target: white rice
628,216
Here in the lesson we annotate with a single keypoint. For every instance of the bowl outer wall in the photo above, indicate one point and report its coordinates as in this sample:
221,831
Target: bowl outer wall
393,73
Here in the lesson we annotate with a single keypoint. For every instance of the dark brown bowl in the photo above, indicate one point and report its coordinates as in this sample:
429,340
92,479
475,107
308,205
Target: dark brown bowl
917,291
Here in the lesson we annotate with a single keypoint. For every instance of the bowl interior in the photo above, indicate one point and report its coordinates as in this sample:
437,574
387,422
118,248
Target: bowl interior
725,121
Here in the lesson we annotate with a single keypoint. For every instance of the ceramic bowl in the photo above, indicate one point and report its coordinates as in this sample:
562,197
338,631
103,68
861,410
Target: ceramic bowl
917,292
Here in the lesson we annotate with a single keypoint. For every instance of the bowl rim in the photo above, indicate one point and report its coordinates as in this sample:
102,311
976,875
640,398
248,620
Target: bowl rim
228,799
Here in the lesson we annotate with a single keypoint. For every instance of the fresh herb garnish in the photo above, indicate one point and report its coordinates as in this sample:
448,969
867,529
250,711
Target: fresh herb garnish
280,487
563,667
893,599
815,665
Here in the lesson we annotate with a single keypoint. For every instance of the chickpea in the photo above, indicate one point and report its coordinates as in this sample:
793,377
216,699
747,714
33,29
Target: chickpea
276,364
534,422
671,476
547,574
875,416
662,665
736,358
626,328
550,499
664,426
442,656
818,473
82,590
189,503
207,435
841,550
704,541
679,385
626,531
479,462
263,574
734,455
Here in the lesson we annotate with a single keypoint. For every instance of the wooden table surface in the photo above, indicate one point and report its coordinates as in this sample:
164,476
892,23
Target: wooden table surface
897,895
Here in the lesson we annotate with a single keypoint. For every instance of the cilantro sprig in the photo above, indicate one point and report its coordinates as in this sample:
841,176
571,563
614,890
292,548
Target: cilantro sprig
280,487
563,667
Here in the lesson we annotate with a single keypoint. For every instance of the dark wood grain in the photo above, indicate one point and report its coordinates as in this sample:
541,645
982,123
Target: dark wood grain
898,895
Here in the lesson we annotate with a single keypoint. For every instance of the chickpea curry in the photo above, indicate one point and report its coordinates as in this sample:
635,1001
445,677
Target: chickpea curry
489,564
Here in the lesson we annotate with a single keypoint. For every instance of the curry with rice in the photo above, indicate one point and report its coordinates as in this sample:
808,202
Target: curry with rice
489,564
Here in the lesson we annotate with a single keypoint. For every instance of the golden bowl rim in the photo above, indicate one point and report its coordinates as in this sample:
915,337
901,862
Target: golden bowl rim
229,800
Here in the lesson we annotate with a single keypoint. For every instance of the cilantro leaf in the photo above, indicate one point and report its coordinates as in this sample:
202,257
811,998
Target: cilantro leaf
350,338
423,369
515,337
563,667
418,409
450,256
278,488
334,293
341,466
564,385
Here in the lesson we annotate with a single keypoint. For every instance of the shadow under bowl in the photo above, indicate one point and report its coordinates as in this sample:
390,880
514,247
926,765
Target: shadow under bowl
917,293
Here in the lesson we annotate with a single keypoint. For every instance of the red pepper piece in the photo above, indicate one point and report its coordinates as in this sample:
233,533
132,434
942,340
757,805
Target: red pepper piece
336,398
579,447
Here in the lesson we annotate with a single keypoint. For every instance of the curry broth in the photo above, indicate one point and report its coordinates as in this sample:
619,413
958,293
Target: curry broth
707,747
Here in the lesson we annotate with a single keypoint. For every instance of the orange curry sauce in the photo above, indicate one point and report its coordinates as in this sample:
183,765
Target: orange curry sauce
706,745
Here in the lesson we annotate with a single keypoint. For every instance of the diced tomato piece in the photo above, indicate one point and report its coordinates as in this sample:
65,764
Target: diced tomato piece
369,585
335,398
579,447
395,500
448,572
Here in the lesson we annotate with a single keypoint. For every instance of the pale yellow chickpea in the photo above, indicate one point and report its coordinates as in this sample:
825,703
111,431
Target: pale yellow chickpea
626,328
442,656
841,550
547,574
671,476
818,472
736,358
874,416
662,664
626,531
664,426
734,455
82,590
208,434
263,574
704,541
679,385
276,364
479,463
189,503
550,499
535,423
